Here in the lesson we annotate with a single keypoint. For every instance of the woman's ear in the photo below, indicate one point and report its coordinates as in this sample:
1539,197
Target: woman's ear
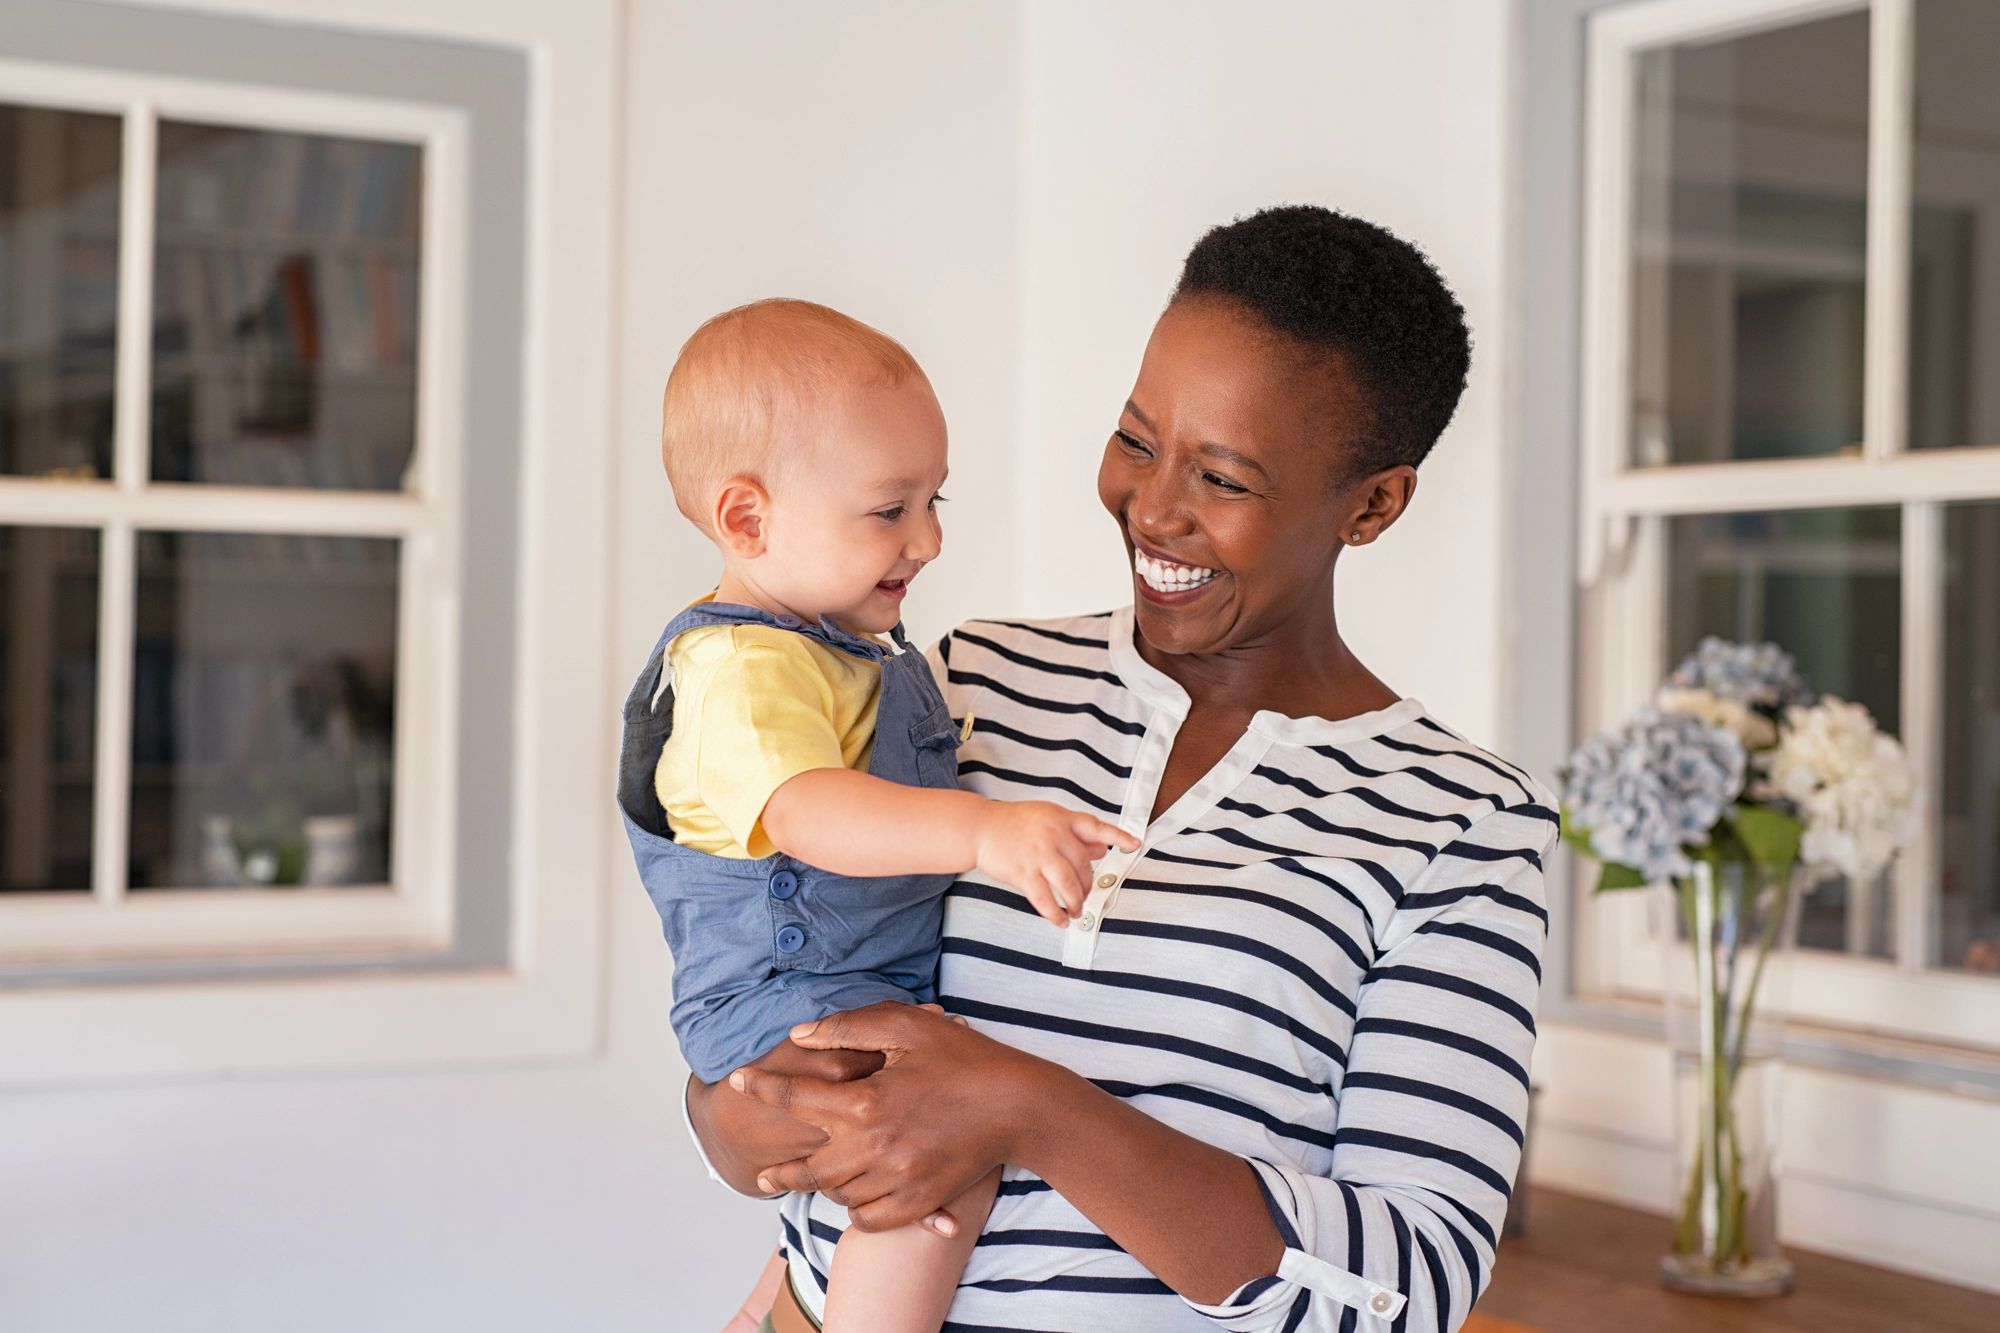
1379,501
740,517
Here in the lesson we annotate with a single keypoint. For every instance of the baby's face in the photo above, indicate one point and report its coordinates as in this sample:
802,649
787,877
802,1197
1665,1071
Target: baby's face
855,521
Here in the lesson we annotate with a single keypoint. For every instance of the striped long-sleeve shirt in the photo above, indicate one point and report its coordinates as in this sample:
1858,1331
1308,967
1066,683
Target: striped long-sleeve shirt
1324,958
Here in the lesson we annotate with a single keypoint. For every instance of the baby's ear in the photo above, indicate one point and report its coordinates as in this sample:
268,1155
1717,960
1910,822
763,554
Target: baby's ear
742,509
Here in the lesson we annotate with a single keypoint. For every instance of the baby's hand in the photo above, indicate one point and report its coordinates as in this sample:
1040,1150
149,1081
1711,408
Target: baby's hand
1045,851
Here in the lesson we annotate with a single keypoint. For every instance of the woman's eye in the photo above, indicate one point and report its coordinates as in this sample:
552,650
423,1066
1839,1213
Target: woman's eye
1132,442
1224,483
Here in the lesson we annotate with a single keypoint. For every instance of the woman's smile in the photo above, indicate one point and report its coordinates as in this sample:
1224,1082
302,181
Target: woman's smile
1167,581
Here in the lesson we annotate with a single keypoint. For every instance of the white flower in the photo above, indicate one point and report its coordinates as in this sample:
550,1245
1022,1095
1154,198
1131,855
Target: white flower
1754,729
1852,785
1652,788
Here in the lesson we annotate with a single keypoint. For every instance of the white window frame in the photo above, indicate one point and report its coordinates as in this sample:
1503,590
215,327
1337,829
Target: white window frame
1622,560
414,910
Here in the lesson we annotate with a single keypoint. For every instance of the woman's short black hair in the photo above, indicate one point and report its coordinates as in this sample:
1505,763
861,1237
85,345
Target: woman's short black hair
1337,284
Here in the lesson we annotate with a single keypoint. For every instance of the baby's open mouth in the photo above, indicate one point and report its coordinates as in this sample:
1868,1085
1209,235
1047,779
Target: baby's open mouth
893,587
1166,576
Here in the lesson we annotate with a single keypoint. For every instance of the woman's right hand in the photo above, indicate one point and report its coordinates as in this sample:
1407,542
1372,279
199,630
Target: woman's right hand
744,1137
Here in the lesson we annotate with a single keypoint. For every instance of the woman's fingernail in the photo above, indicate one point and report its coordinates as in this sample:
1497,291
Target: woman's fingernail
804,1029
736,1080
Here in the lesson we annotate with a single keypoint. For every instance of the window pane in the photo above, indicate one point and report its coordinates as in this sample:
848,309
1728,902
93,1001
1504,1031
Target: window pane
263,709
48,706
1750,208
58,291
285,309
1955,228
1826,584
1969,904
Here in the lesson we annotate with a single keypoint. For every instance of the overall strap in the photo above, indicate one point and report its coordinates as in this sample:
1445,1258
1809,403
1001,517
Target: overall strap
729,613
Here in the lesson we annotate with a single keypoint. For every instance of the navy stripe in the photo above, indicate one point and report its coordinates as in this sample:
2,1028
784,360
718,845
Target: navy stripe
1075,1240
986,726
1318,825
1390,884
1458,1041
1466,755
1472,851
1056,635
957,677
1356,1258
1432,1092
1272,901
1036,663
1403,1143
1215,1101
1124,1286
1121,1036
1402,1232
1045,781
1440,1286
1445,897
1138,981
1471,990
1218,939
1491,939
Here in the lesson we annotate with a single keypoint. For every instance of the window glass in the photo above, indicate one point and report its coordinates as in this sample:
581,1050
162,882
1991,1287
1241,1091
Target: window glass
48,706
1969,805
263,710
1826,585
1955,227
59,191
1750,211
285,308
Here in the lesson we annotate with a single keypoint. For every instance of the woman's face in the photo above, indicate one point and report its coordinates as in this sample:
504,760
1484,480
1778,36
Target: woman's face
1226,477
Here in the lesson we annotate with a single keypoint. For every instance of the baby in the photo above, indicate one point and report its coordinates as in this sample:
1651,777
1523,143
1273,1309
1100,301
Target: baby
790,780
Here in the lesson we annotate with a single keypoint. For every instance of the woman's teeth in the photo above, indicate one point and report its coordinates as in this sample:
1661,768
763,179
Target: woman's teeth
1162,576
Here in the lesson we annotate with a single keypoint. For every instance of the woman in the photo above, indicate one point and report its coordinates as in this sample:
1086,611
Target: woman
1275,1076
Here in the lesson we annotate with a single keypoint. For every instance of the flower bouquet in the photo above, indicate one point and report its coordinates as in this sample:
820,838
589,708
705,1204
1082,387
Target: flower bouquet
1739,789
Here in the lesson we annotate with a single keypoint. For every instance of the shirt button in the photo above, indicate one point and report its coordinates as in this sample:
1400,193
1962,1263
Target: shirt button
1380,1302
783,885
1086,922
1106,881
789,622
791,939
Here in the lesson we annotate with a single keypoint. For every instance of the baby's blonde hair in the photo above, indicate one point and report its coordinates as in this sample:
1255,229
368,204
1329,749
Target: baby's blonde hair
744,396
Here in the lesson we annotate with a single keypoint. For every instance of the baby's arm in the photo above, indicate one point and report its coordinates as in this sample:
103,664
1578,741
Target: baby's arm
853,824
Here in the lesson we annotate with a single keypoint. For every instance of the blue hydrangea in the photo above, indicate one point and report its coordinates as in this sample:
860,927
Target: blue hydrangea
1761,675
1652,788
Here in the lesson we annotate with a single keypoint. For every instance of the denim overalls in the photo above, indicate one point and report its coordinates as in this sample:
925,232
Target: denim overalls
761,945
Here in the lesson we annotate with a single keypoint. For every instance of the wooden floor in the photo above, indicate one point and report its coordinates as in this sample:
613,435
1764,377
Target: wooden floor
1586,1267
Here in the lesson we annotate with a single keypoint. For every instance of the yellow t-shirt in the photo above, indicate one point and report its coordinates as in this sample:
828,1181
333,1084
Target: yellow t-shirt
753,707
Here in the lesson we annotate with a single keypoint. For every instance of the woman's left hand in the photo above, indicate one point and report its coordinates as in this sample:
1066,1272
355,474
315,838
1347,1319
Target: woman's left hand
944,1109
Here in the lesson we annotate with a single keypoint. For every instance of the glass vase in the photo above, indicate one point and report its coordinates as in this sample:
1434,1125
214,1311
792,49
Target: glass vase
1727,976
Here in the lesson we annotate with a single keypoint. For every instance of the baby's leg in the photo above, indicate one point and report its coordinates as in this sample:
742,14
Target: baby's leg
902,1281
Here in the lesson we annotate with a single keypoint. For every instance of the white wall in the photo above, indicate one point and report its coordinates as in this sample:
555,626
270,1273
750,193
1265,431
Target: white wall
1007,188
1148,122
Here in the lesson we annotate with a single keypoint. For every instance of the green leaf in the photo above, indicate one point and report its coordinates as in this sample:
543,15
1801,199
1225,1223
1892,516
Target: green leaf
1616,876
1576,835
1771,837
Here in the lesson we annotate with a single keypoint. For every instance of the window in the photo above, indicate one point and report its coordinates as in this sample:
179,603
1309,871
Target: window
1792,431
228,518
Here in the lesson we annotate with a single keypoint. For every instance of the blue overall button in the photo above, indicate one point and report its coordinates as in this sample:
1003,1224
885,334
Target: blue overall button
791,939
789,622
783,885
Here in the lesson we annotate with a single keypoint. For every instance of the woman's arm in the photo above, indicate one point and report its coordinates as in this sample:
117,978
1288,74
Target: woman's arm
1406,1218
950,1104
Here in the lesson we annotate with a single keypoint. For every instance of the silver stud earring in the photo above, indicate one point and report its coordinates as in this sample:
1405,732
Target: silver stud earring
1356,538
